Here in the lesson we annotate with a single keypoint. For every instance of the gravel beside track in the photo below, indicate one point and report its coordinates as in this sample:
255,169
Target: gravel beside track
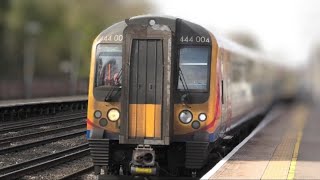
78,174
89,176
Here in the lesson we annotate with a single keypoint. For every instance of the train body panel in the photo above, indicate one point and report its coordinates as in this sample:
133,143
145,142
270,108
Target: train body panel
170,89
245,87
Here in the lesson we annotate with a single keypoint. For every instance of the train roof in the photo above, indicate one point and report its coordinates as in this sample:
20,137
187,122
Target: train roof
222,41
238,48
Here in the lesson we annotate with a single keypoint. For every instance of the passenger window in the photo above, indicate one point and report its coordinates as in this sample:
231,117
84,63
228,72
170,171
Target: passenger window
108,65
194,63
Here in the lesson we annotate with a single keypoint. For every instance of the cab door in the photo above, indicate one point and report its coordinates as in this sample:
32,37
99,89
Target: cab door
226,75
146,90
146,99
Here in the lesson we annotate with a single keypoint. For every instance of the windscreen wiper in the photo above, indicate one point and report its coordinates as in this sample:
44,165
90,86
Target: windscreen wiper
110,93
185,98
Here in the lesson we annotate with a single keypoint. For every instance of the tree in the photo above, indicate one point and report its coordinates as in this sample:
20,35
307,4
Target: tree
4,7
62,26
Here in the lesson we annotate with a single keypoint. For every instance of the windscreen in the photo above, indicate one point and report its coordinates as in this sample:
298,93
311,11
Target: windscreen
108,65
194,66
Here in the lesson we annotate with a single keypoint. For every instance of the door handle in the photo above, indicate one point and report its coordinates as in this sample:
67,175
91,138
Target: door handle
150,86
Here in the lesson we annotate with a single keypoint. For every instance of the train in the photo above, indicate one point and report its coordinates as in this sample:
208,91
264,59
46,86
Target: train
163,92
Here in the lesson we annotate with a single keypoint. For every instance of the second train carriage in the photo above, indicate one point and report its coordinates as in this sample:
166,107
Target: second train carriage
164,90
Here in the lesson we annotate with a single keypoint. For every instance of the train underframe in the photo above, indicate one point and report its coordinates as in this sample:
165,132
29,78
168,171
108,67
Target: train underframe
177,159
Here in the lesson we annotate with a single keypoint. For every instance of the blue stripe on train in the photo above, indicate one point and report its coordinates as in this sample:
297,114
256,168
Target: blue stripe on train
213,137
88,134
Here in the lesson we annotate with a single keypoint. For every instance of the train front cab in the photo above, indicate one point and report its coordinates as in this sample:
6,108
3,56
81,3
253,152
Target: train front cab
162,106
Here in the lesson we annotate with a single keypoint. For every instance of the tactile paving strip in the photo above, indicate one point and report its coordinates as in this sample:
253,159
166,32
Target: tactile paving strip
279,165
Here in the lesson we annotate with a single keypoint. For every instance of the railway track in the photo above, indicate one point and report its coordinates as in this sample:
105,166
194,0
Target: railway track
38,123
29,145
40,142
38,134
42,118
45,162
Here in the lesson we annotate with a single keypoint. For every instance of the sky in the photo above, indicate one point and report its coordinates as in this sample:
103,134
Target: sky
284,28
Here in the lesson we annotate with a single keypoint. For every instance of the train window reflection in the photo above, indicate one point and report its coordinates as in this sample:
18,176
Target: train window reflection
108,65
194,66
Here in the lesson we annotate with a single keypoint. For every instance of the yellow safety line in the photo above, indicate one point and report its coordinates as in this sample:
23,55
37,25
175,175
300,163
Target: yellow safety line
279,167
295,157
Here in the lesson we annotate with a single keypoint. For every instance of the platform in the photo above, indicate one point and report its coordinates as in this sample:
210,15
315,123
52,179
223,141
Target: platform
18,102
288,147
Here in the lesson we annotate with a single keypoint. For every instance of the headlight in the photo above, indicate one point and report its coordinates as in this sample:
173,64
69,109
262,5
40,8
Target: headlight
185,116
202,117
113,114
97,114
